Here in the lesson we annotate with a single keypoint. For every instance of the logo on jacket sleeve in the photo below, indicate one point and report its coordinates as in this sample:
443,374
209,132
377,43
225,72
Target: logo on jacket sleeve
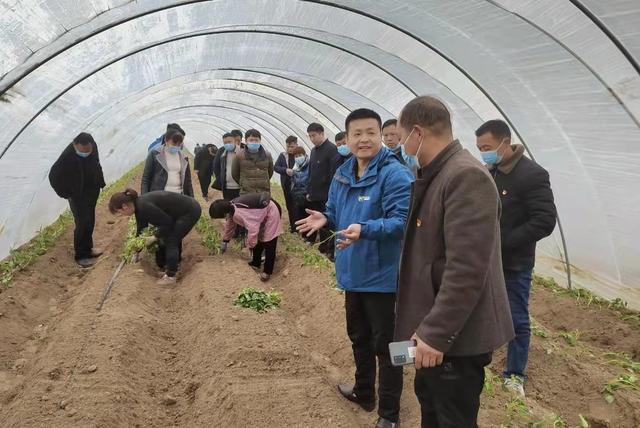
364,198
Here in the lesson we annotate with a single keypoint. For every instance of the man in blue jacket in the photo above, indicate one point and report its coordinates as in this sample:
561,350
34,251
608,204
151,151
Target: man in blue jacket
368,203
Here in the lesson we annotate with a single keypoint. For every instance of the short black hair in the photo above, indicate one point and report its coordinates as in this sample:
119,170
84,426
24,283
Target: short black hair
252,133
498,128
227,135
236,133
362,113
220,208
175,126
341,136
315,127
291,139
389,123
84,139
428,112
174,135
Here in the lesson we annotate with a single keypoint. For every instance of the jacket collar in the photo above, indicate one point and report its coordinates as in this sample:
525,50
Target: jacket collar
507,166
345,173
428,172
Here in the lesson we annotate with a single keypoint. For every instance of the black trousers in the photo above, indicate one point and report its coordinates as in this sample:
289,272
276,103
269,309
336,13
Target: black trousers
229,194
370,325
205,182
449,394
83,209
173,243
161,255
269,248
325,246
291,210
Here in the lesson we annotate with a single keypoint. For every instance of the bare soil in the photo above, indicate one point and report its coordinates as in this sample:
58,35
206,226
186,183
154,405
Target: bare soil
185,356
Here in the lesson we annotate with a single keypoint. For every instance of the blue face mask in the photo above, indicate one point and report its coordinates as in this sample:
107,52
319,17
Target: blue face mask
344,150
411,160
83,154
173,150
300,160
491,157
253,147
230,147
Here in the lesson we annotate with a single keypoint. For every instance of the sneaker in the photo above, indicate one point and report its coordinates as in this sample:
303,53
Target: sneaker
385,423
264,277
86,262
166,280
96,252
253,266
515,385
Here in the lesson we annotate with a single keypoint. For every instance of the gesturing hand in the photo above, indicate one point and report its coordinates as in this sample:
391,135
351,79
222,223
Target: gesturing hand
289,172
426,356
311,224
350,235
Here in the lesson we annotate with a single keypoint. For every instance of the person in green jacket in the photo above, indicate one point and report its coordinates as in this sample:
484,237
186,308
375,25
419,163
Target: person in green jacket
253,168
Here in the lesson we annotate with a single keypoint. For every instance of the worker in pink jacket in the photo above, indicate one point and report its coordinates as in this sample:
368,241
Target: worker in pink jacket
261,216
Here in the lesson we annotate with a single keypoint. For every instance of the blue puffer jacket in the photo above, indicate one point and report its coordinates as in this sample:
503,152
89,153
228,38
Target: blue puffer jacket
300,183
379,201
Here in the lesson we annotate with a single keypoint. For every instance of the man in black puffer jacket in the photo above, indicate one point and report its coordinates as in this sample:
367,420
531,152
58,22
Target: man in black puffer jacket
77,176
528,215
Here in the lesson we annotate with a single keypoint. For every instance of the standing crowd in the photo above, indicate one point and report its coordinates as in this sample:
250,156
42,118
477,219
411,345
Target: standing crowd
430,245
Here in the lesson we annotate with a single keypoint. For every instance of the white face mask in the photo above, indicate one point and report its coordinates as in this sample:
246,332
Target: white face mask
414,155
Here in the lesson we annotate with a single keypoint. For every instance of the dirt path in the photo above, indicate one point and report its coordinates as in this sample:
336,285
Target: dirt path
184,356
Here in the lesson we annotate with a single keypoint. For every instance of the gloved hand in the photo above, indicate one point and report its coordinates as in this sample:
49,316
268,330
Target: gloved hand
223,247
150,241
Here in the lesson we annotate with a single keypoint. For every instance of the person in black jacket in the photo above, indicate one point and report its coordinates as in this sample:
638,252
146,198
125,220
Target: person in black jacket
203,165
528,215
167,168
173,215
284,166
77,176
322,166
343,149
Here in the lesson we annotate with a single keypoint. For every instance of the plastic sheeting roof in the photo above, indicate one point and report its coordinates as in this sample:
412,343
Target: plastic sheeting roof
563,73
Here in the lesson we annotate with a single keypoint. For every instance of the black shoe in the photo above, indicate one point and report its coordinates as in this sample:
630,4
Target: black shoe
254,266
385,423
86,262
347,392
95,252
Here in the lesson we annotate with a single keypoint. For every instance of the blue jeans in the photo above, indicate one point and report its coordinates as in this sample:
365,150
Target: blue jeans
518,288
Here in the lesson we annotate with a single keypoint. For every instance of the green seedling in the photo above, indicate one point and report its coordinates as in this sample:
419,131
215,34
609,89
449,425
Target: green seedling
258,300
516,410
571,337
624,381
538,330
135,244
491,382
618,304
623,360
209,235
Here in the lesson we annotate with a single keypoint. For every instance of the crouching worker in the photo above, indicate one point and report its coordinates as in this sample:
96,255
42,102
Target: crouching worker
261,216
173,215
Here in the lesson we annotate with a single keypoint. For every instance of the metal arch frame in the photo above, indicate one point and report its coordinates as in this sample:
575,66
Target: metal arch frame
312,108
605,29
351,10
185,37
268,118
289,126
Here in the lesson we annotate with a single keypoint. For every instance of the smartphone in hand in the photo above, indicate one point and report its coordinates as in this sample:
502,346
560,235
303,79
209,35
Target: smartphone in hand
402,353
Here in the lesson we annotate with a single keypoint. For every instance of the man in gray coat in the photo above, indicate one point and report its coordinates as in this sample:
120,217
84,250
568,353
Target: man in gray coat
451,293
